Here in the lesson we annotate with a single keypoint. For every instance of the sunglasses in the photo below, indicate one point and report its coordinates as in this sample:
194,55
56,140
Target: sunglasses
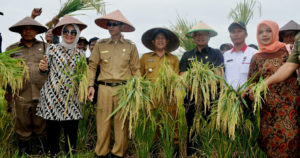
113,23
72,32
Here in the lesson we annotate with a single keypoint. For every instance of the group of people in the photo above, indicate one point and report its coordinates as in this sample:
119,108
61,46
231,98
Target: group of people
40,106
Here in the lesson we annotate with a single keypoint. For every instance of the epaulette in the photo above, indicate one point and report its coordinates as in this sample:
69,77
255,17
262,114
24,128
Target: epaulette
129,41
103,40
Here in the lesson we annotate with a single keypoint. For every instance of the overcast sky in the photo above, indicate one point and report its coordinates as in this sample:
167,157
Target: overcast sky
146,14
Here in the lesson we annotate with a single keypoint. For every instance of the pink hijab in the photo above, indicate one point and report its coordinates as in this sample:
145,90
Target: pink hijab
275,45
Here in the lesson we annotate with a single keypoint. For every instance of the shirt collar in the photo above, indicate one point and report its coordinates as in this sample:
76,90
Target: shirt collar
111,41
20,44
166,54
205,49
243,49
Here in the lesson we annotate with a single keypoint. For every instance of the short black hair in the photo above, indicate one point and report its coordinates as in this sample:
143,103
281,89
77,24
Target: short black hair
93,39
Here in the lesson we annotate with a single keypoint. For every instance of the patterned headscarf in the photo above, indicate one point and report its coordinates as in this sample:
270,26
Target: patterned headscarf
275,45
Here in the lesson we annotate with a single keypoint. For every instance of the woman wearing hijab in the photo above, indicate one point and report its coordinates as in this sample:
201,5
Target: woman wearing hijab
279,126
53,95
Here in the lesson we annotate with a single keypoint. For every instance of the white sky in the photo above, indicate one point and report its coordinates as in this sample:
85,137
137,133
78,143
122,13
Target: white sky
146,14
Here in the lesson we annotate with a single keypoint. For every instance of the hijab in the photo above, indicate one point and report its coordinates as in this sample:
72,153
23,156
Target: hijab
72,45
275,45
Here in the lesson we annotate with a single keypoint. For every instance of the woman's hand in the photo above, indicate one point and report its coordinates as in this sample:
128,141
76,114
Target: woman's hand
248,92
43,66
91,92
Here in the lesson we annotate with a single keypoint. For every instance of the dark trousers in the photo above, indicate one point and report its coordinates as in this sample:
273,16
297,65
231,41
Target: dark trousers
53,134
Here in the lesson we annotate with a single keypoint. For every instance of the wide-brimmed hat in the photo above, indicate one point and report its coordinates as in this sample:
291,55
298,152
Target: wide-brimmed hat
27,21
148,37
65,21
201,26
291,25
237,24
116,16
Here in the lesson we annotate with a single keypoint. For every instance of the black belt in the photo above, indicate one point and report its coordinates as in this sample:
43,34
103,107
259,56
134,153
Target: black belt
111,84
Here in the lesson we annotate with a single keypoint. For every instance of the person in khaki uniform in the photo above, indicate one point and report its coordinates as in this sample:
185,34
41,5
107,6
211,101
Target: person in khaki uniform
162,42
118,59
25,102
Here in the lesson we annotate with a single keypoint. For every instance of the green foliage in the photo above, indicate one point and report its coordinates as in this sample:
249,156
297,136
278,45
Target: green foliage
181,27
244,11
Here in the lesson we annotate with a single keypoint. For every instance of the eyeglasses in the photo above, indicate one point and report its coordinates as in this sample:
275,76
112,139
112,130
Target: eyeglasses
113,23
72,32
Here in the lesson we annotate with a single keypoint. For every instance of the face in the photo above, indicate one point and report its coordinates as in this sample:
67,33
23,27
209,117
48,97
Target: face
160,42
265,35
92,45
201,38
69,34
114,27
238,35
82,45
29,33
49,36
288,37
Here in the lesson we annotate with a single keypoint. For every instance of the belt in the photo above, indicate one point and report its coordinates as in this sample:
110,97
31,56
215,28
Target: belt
111,84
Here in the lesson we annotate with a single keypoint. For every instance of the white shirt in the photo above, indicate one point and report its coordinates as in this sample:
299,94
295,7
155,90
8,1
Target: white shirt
237,65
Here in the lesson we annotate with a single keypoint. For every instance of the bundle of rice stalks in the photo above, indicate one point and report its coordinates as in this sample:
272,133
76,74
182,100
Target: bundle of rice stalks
203,80
135,102
74,5
244,10
79,81
231,107
13,72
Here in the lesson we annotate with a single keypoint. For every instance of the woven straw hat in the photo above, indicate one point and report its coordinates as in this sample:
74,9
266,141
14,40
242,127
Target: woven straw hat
116,16
291,25
65,21
201,26
27,21
149,36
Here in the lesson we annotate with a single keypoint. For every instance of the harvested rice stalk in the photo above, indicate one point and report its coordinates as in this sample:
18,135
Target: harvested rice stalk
74,5
79,80
13,72
135,102
203,80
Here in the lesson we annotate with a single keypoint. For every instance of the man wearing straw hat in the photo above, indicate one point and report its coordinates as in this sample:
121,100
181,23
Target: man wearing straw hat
26,122
288,32
118,59
201,33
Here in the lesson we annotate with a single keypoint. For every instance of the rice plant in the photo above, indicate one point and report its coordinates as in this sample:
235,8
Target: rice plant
244,11
75,5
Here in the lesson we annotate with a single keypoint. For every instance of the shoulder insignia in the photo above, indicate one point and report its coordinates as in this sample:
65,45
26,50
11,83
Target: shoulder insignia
129,41
103,40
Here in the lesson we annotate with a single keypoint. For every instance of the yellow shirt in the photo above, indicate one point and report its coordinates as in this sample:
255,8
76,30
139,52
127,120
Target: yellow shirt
118,61
151,62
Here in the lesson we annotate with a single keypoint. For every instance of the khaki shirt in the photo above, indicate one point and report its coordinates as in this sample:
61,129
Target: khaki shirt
32,56
118,61
151,63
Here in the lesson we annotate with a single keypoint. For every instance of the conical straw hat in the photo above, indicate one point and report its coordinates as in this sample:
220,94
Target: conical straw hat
148,36
201,26
116,16
65,21
291,25
27,21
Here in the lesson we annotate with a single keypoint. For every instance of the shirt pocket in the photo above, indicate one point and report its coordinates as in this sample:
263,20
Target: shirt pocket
105,59
244,68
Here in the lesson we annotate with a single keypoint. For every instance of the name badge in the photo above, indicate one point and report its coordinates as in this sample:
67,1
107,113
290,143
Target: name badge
190,59
105,51
230,60
150,60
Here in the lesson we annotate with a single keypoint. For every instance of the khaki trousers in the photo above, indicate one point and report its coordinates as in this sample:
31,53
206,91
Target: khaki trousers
106,103
26,122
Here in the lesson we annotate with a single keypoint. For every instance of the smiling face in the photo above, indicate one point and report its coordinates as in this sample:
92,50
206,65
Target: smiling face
69,34
201,38
265,36
160,41
28,33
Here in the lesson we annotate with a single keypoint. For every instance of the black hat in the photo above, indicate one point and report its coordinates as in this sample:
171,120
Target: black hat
237,24
1,13
83,39
149,35
93,39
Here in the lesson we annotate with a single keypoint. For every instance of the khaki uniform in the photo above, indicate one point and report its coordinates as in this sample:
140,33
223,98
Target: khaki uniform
295,55
150,66
26,122
118,62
